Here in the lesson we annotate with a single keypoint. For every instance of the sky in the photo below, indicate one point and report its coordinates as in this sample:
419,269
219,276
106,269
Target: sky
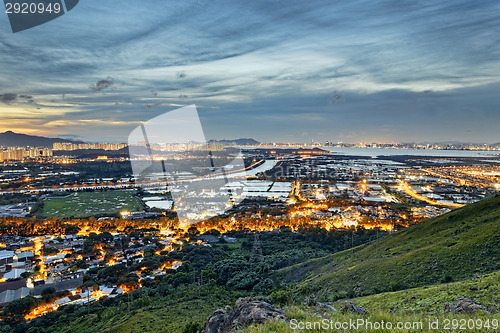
276,71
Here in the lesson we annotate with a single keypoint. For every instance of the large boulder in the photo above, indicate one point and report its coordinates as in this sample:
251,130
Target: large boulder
463,305
351,307
216,322
325,307
246,311
255,310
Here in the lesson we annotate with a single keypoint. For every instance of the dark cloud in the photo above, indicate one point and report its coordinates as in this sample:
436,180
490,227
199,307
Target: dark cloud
150,106
70,136
8,98
27,98
102,84
336,97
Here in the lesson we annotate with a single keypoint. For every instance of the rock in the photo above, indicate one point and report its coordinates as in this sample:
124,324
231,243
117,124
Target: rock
216,322
255,311
246,311
463,305
326,307
243,300
350,306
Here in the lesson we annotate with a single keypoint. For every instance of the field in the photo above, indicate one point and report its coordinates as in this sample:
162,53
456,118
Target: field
86,204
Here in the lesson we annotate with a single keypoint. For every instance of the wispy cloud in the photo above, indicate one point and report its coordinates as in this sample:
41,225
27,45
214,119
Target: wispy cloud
243,59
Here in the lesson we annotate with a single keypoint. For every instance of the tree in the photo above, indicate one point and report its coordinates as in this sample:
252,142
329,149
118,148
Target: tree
147,239
48,291
47,251
214,232
105,237
71,230
21,307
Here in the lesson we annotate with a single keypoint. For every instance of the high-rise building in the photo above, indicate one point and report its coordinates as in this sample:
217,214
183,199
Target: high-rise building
68,146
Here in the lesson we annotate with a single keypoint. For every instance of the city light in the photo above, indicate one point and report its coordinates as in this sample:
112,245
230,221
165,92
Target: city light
124,213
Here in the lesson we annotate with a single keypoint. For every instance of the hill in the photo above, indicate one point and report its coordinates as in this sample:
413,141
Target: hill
451,247
431,299
238,142
11,139
417,305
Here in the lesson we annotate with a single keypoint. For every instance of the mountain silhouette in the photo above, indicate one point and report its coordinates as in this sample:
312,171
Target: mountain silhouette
11,139
245,142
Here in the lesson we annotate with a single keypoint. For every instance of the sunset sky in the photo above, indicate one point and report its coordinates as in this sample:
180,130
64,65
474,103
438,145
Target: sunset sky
351,71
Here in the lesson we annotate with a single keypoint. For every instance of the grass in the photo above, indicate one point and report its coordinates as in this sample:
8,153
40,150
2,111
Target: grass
451,247
234,246
430,300
422,305
166,317
305,315
87,204
193,305
148,311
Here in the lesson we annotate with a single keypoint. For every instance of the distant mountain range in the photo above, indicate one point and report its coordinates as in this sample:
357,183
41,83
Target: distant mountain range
11,139
243,142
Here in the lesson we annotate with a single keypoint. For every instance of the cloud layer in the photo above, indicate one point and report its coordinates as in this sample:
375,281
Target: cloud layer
272,70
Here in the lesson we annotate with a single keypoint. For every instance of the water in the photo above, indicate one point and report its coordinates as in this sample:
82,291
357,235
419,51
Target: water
374,152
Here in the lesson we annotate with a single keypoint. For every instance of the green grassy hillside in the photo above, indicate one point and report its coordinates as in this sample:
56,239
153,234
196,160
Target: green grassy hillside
430,300
451,247
160,309
422,304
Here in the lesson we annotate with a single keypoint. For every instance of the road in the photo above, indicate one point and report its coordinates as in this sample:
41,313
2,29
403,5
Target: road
409,190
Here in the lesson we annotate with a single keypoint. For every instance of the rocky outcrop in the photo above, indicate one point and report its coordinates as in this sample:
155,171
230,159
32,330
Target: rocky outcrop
246,311
217,321
325,307
351,307
463,305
